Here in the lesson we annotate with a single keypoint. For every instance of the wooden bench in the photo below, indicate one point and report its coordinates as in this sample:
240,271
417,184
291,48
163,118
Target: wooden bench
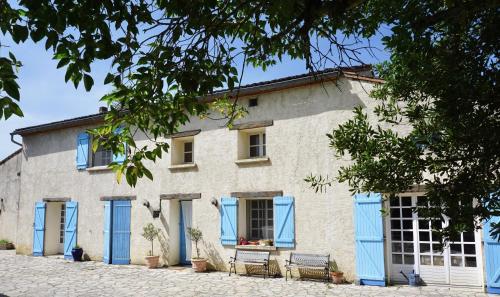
309,261
260,258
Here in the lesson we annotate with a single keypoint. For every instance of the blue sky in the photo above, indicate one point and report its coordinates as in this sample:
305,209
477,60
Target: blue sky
45,97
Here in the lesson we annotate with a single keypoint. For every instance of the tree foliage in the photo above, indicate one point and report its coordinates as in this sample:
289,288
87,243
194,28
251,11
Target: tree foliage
167,54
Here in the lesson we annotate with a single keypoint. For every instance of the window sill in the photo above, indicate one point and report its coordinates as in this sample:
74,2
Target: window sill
252,161
183,166
99,168
256,247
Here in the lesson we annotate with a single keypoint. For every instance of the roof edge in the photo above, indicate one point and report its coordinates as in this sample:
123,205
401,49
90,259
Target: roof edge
11,156
301,80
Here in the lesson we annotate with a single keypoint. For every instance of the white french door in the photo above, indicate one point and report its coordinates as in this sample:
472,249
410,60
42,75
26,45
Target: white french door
413,246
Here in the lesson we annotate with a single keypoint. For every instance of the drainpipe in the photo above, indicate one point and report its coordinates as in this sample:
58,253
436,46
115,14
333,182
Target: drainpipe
13,140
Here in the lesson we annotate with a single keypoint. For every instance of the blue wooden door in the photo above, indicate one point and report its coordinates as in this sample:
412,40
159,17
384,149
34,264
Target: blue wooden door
120,242
70,228
492,258
369,237
107,232
39,228
182,233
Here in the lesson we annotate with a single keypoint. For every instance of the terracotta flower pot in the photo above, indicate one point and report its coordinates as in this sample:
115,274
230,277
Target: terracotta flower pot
337,277
152,261
199,265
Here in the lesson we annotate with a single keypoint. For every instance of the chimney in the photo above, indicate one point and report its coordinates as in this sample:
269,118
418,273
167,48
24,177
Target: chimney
103,109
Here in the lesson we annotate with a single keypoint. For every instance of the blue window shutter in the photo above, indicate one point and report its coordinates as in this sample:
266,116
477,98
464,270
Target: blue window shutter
492,257
119,158
82,150
369,236
107,232
120,242
229,221
284,222
39,229
70,228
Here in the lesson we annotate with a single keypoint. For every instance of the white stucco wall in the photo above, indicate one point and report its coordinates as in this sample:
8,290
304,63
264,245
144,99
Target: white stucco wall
296,146
10,173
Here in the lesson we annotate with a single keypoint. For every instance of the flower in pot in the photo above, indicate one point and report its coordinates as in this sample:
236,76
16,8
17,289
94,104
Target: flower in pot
336,275
150,232
77,253
199,264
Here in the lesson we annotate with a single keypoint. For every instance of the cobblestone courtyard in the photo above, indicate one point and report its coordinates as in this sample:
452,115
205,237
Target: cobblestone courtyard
40,276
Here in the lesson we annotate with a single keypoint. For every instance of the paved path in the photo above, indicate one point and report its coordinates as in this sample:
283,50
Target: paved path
39,276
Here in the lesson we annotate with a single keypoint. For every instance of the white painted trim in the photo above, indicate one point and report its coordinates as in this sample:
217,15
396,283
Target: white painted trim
183,166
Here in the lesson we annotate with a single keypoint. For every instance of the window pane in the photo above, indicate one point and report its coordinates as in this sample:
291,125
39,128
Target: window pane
408,247
188,146
456,261
254,151
470,262
396,235
408,236
437,248
254,139
423,224
436,225
409,259
395,213
425,260
188,157
397,259
424,236
469,249
395,201
396,247
406,201
263,150
438,260
395,224
455,249
407,224
407,213
469,237
425,248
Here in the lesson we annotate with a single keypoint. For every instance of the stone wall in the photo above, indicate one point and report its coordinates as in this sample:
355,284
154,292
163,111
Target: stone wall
10,176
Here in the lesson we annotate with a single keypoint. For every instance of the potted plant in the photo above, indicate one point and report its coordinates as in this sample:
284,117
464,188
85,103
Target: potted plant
77,253
199,264
6,245
150,232
336,275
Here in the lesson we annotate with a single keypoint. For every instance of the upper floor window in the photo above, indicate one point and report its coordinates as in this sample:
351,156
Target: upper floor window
257,145
252,102
188,152
102,157
182,150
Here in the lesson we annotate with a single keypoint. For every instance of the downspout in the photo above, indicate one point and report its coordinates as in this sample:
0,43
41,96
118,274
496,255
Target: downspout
13,140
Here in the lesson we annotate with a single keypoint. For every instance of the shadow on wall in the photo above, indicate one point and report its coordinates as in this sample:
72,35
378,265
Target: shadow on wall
215,261
164,246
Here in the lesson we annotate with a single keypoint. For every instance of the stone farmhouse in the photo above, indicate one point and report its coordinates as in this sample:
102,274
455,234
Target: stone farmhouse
246,181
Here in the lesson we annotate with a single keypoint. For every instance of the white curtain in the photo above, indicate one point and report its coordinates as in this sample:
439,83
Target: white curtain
187,217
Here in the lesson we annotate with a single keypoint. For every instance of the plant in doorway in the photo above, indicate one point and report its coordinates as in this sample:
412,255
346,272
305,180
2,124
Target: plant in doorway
199,264
150,232
77,253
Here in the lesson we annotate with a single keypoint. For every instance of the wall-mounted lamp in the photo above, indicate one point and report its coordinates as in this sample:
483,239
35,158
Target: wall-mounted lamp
214,201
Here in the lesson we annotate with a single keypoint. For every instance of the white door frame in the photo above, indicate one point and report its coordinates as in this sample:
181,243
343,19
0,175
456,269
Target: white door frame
416,243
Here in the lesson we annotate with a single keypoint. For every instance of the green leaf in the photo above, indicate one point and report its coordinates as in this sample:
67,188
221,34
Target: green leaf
109,78
88,82
12,89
